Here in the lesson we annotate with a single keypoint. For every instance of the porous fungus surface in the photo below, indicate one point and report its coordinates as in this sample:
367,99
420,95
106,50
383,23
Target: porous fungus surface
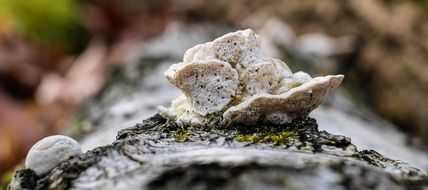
230,78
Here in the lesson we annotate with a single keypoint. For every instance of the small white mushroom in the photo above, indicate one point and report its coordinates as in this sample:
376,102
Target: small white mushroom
49,152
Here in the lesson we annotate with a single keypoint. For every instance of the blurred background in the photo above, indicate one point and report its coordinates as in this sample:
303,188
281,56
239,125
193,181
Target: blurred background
56,57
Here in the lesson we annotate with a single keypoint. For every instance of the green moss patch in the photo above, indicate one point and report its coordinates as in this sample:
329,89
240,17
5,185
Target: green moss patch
181,135
280,138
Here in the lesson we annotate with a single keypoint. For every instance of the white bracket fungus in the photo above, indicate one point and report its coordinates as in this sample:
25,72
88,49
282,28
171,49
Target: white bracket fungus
232,79
49,152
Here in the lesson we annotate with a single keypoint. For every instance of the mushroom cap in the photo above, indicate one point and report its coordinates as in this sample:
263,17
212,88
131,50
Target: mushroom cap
282,108
50,151
209,85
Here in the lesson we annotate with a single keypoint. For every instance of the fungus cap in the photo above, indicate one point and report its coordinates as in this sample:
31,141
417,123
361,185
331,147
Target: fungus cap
282,108
49,152
231,78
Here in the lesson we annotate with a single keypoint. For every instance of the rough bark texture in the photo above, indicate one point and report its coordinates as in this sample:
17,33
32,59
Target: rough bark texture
157,154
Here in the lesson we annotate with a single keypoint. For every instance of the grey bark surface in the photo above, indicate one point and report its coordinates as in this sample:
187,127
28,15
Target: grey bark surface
155,155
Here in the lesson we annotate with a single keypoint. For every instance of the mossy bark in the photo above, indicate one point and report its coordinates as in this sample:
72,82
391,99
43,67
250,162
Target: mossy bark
159,154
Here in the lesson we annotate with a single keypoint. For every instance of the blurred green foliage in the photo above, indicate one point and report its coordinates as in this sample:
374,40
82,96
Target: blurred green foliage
52,23
6,179
77,127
